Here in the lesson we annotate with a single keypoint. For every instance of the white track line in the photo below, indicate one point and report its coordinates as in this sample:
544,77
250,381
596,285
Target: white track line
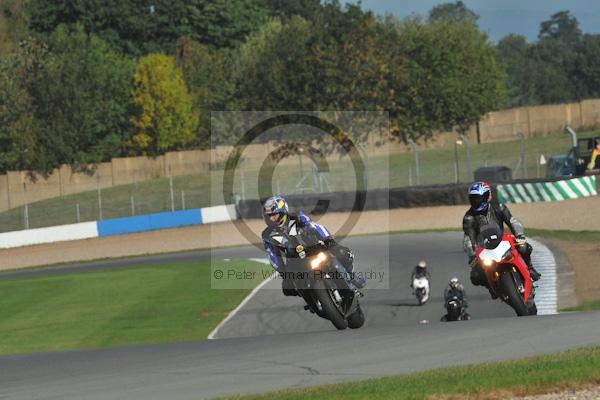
545,296
246,300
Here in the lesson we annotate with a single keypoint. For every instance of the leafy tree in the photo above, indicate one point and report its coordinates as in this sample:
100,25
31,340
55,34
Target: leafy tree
274,71
586,74
13,25
456,12
139,26
223,23
166,118
18,127
561,26
514,54
284,9
63,103
552,63
207,74
81,95
452,77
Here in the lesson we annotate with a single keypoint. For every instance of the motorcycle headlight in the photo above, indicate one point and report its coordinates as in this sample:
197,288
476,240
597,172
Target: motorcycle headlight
318,260
488,262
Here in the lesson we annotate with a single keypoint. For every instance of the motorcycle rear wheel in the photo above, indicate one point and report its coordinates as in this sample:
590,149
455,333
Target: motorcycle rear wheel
330,310
509,288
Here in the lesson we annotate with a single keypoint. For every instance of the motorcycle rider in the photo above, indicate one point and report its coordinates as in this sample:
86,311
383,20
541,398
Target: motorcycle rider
419,271
455,288
280,220
483,212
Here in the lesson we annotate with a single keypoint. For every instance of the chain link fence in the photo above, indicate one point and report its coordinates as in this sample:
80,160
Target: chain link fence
450,164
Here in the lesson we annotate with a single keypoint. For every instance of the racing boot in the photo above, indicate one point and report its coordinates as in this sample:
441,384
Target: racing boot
535,275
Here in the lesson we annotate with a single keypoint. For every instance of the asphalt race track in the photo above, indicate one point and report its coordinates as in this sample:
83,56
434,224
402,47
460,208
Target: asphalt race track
272,343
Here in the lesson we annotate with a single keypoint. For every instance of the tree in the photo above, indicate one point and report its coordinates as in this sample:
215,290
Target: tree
139,27
586,74
207,73
452,77
456,12
13,25
18,126
284,9
66,102
166,119
514,55
81,95
552,62
561,26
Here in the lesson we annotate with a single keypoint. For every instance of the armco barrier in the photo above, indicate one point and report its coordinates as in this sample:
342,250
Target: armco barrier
218,214
84,230
118,226
149,222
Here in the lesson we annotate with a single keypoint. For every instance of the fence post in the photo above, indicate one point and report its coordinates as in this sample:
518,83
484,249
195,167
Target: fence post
172,195
132,205
26,215
26,209
78,213
415,149
243,184
183,200
99,201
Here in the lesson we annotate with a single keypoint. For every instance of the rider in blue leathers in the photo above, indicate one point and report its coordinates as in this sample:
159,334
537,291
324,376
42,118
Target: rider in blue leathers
279,220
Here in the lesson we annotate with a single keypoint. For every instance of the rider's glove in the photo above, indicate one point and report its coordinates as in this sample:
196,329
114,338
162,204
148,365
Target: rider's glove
520,240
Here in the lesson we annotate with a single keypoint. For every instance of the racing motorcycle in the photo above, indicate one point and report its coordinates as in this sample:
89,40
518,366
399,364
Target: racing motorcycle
421,289
455,310
322,281
505,270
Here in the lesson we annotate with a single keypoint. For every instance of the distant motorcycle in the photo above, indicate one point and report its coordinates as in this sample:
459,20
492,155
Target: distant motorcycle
455,310
421,289
506,271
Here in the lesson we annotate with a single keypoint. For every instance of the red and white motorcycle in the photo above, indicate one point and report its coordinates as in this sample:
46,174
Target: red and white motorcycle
506,271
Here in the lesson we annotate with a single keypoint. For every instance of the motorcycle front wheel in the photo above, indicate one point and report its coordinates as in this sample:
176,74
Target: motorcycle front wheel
508,285
357,319
330,310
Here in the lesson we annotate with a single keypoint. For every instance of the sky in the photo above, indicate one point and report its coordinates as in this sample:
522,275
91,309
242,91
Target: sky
500,17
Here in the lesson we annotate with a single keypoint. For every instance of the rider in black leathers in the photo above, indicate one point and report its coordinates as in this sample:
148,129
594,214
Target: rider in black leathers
455,288
484,212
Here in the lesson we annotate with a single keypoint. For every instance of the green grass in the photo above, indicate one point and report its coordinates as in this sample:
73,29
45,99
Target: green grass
532,375
583,236
202,190
593,305
117,307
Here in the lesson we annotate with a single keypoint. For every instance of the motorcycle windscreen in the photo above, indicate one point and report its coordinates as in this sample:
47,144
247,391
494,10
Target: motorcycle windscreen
490,236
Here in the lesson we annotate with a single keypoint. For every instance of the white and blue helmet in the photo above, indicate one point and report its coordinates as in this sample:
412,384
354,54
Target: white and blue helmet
480,196
276,206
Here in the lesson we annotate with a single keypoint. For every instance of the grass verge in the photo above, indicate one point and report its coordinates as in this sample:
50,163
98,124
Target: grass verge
582,236
117,307
482,381
588,306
